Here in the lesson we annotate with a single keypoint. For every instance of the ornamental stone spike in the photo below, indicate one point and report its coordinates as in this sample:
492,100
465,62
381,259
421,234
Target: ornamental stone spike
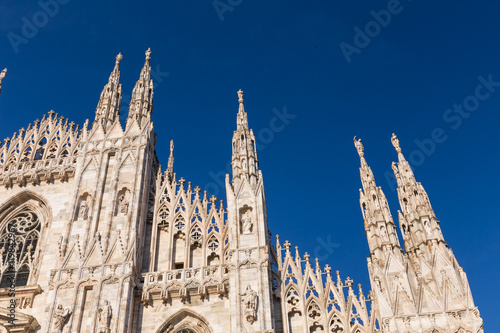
170,168
380,229
108,107
141,102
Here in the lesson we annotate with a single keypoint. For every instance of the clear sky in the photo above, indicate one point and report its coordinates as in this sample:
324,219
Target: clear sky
307,58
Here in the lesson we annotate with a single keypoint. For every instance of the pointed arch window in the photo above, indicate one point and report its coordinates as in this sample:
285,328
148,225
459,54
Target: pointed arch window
19,239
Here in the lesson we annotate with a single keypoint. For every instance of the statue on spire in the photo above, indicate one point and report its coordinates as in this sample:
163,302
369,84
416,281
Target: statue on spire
2,75
148,54
119,57
359,147
240,96
395,143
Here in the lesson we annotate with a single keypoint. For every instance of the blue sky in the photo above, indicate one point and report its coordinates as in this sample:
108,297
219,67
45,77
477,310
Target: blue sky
287,56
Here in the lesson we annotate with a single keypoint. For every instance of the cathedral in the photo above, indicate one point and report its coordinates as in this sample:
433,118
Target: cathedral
95,236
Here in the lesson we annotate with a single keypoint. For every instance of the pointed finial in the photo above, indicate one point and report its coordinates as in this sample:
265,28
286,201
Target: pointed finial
148,54
240,96
170,166
395,143
307,258
359,147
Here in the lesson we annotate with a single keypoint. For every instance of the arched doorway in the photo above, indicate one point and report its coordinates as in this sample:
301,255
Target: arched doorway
185,321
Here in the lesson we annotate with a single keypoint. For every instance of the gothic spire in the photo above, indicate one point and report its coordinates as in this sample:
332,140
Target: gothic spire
242,118
418,221
244,159
141,103
410,192
2,75
108,108
379,225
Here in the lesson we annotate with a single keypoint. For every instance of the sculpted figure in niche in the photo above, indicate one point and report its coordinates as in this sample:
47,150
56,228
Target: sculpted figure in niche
249,299
104,317
246,222
122,204
427,228
84,209
60,316
383,231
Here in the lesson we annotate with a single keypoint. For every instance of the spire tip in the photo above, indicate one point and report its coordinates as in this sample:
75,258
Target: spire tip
240,96
359,147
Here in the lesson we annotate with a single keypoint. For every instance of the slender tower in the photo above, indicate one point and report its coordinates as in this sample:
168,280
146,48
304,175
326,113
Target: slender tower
108,108
442,297
248,235
141,103
102,240
386,264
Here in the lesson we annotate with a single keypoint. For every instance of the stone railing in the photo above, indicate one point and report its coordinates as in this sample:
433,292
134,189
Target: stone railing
185,283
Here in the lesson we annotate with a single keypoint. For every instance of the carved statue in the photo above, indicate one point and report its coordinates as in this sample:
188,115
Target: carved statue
395,142
359,146
84,209
383,231
246,221
427,228
249,299
60,315
394,168
104,317
123,204
2,75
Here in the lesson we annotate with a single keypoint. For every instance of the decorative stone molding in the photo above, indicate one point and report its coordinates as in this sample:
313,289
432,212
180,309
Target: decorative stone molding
24,296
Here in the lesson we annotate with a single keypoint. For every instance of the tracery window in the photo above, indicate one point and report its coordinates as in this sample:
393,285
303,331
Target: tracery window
186,330
163,218
179,223
18,242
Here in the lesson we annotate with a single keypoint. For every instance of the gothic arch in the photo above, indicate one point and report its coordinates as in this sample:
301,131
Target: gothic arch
185,319
22,197
31,214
